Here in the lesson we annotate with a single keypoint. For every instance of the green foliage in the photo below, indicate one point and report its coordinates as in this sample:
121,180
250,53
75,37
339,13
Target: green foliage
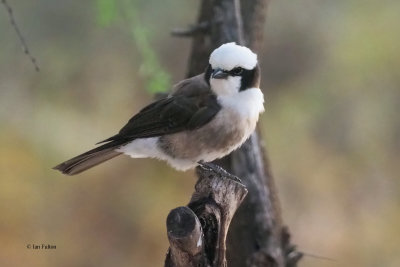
106,12
158,80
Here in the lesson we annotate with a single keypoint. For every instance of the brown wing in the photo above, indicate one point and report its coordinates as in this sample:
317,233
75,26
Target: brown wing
191,105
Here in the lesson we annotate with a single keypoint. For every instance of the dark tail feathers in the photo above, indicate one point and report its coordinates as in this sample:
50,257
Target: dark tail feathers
89,159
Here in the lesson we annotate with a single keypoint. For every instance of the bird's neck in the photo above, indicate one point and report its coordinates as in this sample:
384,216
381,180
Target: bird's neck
248,103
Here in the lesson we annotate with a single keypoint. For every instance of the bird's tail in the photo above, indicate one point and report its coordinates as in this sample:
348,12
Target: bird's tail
89,159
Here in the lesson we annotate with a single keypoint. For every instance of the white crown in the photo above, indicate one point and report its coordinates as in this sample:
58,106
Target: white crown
231,55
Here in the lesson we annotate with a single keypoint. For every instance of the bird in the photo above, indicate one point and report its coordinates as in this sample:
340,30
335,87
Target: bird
202,119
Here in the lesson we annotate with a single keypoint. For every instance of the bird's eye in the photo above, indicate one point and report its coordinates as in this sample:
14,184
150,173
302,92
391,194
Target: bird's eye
236,71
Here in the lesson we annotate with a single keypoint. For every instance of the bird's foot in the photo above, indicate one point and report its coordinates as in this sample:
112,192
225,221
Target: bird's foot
219,170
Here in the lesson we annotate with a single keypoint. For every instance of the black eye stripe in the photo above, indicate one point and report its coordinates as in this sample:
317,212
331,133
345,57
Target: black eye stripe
236,71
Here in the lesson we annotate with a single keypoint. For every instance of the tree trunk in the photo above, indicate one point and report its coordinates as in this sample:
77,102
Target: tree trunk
257,236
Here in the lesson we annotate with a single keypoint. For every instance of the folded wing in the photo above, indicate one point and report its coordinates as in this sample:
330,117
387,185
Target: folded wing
186,109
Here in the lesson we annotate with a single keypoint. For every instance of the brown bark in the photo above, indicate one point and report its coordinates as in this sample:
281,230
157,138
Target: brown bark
217,196
185,236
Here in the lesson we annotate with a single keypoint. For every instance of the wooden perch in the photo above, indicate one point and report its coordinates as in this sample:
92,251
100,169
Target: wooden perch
185,236
197,233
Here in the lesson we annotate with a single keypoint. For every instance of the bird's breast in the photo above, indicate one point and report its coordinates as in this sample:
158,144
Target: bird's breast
224,133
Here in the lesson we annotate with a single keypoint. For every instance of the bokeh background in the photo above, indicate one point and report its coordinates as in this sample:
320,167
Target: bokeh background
332,85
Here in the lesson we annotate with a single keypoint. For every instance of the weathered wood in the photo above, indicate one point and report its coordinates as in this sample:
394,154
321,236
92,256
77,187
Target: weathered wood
217,196
186,239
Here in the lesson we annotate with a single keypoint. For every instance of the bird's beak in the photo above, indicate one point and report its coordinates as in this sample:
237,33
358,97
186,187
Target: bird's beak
219,74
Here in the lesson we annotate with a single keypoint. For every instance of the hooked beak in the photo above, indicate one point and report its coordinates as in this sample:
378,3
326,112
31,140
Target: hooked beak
219,74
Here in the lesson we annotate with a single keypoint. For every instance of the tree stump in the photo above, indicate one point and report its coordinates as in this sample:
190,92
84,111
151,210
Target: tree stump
197,233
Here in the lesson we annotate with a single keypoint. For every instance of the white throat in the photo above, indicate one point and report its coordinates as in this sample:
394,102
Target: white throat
248,103
225,87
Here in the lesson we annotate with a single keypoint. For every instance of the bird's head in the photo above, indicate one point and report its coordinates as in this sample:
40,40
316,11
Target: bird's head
232,69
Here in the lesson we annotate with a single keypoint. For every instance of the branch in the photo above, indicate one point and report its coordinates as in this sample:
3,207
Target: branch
197,233
186,239
201,27
19,34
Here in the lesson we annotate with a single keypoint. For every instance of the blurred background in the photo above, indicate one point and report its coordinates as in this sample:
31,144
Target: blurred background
332,128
